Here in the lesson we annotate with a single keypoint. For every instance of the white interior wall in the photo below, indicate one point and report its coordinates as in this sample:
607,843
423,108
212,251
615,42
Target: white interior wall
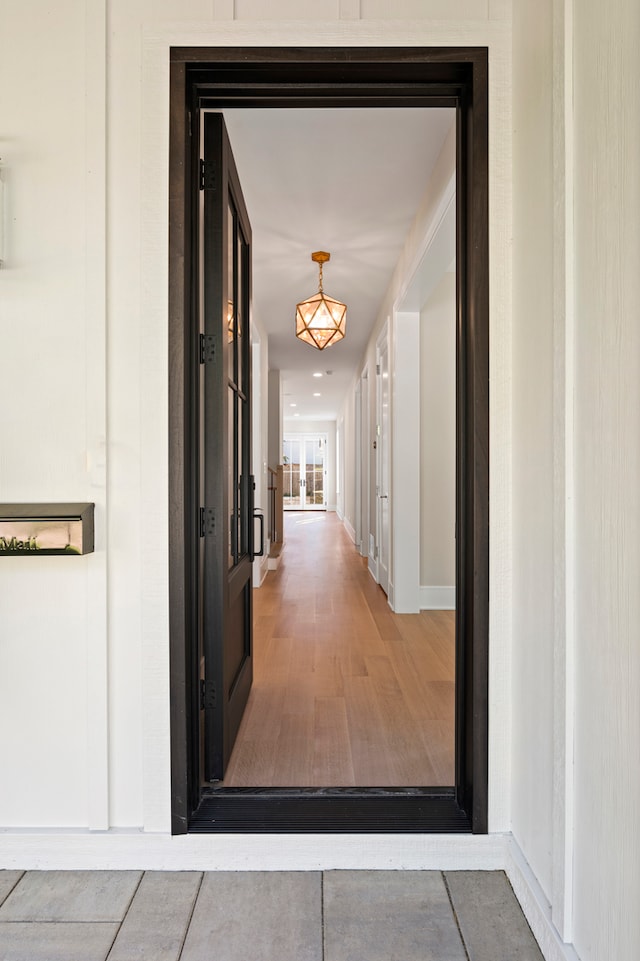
438,437
417,272
348,505
260,426
404,270
275,419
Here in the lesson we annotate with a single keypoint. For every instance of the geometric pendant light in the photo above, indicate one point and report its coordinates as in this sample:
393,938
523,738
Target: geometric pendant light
321,320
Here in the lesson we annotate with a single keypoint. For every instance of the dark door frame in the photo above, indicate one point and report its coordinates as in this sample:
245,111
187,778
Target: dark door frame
307,77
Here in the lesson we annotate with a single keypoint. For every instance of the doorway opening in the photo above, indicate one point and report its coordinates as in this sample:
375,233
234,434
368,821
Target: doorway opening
218,78
305,475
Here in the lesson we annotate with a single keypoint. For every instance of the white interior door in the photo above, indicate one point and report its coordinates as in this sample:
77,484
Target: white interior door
383,393
291,488
305,472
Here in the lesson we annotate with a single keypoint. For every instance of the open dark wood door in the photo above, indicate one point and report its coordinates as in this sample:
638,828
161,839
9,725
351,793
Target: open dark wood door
226,484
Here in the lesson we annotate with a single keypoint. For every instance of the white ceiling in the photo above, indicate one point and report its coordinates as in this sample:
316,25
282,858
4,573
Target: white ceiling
344,180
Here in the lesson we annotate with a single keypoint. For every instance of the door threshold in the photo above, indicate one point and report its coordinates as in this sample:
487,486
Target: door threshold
410,810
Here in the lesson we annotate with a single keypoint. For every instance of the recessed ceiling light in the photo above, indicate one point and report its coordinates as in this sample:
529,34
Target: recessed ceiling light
317,395
317,375
293,405
296,415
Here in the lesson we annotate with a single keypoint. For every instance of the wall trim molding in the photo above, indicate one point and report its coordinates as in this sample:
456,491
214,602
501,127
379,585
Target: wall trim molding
350,529
261,566
535,905
437,598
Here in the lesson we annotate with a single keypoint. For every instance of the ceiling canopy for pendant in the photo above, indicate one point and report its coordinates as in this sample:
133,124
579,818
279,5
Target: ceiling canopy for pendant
321,320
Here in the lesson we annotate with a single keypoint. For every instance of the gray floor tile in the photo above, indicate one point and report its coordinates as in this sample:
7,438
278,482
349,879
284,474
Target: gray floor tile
389,915
71,896
261,916
33,941
490,918
8,881
157,921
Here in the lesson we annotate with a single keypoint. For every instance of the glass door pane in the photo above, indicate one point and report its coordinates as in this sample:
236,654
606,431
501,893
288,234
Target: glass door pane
291,474
314,472
305,472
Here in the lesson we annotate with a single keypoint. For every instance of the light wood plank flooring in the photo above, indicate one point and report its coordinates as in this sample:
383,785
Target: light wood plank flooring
346,693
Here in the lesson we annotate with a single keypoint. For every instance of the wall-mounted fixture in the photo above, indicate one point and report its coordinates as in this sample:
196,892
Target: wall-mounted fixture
31,529
321,320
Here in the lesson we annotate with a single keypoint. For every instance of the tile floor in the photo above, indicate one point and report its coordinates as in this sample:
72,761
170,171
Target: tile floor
261,916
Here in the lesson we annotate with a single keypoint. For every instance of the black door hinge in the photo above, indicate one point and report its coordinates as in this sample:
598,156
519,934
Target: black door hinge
207,521
207,348
207,175
208,695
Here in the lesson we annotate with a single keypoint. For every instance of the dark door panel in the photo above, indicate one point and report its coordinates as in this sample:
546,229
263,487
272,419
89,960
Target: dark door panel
227,484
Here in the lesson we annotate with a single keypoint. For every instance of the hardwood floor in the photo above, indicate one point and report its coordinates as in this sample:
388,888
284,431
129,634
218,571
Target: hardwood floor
345,693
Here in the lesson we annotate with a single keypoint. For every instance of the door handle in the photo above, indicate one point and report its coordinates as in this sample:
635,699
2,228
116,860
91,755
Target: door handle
259,516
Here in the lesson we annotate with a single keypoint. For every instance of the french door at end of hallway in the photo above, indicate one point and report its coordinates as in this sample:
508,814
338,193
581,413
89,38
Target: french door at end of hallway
225,480
304,473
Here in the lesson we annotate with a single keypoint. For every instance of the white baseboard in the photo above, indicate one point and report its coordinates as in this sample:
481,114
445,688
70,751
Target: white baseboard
372,560
350,529
133,849
535,906
391,595
437,598
261,567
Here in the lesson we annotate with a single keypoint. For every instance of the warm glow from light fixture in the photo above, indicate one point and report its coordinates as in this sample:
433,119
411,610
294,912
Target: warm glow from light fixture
230,324
321,320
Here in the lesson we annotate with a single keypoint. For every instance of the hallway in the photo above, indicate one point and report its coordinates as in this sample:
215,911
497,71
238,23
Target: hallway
345,693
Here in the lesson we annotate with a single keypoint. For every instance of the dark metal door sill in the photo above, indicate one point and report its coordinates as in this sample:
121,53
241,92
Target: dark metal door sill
329,811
